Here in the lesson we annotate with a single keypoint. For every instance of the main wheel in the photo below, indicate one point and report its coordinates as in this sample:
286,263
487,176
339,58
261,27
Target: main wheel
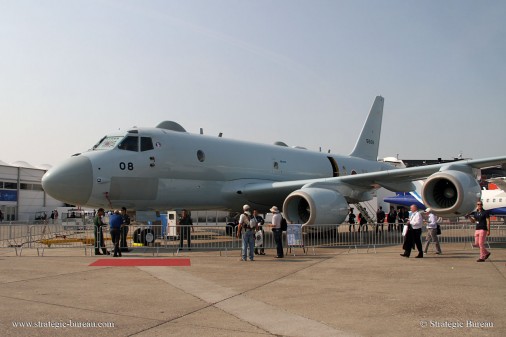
147,236
136,236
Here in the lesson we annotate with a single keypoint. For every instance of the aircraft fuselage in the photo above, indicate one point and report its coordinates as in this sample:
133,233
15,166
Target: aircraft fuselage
174,170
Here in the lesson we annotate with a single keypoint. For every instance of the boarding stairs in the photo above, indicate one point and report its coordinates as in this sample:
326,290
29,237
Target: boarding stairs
364,211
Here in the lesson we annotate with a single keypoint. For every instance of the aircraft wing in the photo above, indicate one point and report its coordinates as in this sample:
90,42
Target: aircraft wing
397,180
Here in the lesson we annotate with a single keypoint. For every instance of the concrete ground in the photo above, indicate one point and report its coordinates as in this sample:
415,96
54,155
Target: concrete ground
333,293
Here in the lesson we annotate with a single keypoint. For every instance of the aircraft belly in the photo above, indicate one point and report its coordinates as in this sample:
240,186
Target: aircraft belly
133,188
191,194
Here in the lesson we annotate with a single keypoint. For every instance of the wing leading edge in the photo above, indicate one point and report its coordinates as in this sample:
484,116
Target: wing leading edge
396,180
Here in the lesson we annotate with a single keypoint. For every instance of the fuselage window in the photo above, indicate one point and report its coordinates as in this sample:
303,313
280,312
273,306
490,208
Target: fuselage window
129,143
146,144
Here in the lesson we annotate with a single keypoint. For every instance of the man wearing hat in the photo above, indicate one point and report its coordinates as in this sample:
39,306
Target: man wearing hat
247,228
276,230
432,231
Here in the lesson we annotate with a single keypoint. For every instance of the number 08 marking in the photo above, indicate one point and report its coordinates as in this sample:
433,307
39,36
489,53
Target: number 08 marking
123,166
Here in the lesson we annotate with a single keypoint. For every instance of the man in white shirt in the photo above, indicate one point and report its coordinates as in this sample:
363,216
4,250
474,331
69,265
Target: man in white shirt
414,234
432,232
276,230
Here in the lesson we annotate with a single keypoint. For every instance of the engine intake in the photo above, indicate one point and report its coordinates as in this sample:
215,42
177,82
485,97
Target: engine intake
310,206
450,193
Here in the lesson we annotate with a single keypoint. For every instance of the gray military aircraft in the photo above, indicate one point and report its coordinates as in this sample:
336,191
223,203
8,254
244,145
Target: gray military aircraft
166,168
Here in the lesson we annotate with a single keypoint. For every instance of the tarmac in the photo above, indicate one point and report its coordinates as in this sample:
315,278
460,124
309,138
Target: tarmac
337,292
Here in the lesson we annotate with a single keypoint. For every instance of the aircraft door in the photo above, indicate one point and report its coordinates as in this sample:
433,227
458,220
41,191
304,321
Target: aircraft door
278,166
335,167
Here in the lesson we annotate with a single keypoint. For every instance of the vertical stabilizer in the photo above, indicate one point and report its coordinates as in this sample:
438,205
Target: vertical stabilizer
367,145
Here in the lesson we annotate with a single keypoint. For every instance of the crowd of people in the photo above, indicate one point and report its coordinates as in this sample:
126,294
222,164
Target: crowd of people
119,222
395,220
410,224
251,230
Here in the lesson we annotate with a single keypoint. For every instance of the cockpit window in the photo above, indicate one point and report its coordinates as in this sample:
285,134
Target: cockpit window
107,143
129,143
146,144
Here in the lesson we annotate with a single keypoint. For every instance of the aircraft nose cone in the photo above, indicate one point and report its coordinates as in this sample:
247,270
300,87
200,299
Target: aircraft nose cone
70,182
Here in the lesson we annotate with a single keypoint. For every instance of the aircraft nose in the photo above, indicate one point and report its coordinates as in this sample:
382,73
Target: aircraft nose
70,182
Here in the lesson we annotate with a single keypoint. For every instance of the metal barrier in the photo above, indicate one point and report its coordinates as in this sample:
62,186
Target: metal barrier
14,236
155,239
221,238
377,235
19,236
201,237
141,238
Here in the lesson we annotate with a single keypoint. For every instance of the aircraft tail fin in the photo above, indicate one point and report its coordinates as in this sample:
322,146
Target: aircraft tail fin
367,145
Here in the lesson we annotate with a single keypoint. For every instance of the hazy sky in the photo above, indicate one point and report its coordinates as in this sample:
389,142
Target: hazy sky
304,72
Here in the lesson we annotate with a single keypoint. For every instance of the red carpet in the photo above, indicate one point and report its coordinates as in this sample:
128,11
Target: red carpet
120,262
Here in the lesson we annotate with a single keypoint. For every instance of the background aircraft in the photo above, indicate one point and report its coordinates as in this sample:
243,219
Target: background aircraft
494,200
166,168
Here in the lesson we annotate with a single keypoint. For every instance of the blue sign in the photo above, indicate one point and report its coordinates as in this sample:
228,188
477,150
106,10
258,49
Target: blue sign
8,195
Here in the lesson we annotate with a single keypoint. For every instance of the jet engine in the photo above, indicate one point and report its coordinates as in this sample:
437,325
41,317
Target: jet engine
309,206
451,193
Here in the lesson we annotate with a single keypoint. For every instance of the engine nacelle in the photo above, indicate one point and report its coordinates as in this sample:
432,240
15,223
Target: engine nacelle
314,205
451,193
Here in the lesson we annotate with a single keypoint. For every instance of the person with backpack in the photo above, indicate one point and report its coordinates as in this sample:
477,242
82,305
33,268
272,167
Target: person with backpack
277,231
247,227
